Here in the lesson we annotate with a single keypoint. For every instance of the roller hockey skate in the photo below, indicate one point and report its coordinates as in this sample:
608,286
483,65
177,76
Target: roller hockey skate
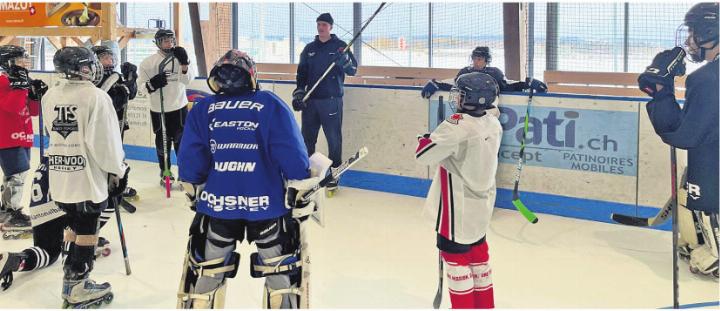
130,195
103,248
703,262
17,226
332,187
9,263
85,294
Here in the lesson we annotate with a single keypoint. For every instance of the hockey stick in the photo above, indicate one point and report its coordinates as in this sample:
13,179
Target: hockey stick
674,198
335,174
118,203
347,48
438,295
660,218
163,129
519,205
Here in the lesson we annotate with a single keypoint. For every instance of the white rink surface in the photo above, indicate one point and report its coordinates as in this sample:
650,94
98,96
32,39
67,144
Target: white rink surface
377,251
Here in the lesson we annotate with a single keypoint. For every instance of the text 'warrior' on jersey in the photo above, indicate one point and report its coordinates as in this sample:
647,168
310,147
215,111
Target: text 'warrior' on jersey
242,147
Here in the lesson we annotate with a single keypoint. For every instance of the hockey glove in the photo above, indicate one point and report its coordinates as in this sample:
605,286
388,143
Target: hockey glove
129,71
156,82
343,60
537,85
423,136
181,55
192,192
430,88
37,90
20,79
664,68
118,184
293,197
297,102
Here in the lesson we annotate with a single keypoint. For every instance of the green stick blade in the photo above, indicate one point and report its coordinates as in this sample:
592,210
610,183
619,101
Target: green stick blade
529,215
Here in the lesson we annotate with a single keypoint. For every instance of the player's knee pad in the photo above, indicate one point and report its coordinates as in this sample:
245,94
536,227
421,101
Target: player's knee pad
13,189
203,282
688,227
460,278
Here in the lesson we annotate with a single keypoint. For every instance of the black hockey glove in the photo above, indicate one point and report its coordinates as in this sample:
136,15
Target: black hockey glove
156,82
430,88
19,79
37,90
664,68
129,71
537,85
343,60
118,184
297,102
181,55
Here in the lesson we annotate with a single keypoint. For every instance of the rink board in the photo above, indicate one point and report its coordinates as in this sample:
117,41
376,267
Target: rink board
586,156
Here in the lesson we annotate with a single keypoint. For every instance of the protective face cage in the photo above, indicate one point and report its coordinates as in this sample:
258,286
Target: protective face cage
91,72
105,56
684,33
159,42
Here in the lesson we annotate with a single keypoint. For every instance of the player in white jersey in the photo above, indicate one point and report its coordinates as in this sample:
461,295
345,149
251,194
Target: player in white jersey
462,195
85,162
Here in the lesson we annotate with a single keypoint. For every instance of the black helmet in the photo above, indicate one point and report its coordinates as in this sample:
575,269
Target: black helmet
477,90
482,51
233,73
8,56
702,21
100,51
78,63
163,34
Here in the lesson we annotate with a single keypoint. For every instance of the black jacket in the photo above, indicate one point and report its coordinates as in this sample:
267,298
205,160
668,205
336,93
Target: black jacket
314,60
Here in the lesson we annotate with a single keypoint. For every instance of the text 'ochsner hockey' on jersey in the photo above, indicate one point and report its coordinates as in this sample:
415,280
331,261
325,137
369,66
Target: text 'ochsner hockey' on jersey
232,202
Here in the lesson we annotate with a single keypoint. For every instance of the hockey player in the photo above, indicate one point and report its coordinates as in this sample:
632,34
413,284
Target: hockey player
462,195
481,58
85,162
694,127
121,87
173,80
240,146
19,96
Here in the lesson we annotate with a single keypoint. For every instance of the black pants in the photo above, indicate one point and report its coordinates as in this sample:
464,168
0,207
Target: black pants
327,113
174,125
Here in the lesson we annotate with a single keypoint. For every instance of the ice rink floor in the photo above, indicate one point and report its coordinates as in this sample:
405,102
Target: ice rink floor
377,251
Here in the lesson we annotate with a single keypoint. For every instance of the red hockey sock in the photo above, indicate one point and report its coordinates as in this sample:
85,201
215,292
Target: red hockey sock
482,277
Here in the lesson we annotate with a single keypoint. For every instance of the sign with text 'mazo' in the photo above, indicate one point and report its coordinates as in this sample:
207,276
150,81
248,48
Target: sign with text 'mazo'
596,141
43,14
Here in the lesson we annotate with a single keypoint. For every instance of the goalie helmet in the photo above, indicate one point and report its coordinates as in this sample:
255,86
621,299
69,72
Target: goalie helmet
474,92
233,73
78,63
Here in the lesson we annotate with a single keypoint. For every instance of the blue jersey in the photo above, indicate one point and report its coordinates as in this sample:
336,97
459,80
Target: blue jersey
242,147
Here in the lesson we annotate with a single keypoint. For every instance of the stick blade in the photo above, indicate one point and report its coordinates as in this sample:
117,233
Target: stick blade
630,220
529,215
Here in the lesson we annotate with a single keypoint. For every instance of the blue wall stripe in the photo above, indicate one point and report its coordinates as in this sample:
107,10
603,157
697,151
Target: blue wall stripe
697,305
543,203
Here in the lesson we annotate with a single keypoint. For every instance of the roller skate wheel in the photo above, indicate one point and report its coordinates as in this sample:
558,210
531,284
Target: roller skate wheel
108,298
133,198
694,270
330,193
106,252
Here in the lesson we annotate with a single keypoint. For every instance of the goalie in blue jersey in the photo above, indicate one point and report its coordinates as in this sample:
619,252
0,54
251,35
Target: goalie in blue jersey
241,151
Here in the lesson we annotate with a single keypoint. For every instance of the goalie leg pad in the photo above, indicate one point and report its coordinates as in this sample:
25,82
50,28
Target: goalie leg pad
278,259
203,283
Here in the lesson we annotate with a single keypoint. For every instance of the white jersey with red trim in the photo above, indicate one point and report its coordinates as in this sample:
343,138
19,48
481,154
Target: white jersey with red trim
462,194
